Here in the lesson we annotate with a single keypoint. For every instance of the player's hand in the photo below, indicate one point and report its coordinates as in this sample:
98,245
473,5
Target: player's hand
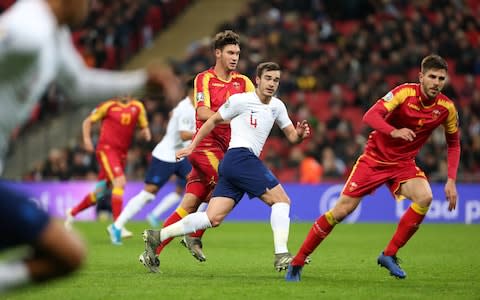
183,153
161,76
146,134
303,129
403,133
88,145
451,194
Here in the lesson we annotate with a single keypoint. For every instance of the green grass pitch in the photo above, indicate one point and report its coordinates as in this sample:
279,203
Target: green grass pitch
441,261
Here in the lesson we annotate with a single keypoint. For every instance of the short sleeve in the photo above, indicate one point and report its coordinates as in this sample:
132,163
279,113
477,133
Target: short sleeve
186,120
282,120
231,108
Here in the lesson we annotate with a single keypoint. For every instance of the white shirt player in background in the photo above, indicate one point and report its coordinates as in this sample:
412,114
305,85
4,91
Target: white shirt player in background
180,130
251,117
35,50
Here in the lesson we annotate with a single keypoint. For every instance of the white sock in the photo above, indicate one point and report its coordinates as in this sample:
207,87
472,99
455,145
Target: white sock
280,222
133,207
202,207
164,204
189,224
12,274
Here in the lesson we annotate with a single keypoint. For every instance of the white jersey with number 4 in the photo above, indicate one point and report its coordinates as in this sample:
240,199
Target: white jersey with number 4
182,119
252,120
35,51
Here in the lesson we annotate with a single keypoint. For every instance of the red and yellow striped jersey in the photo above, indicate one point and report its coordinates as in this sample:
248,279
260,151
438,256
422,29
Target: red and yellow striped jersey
212,92
407,108
119,121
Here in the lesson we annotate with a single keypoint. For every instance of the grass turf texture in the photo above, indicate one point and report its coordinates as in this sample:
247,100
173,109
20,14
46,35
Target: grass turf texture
441,261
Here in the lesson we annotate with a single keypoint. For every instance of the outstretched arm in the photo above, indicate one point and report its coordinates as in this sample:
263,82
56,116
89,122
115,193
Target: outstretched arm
206,128
89,84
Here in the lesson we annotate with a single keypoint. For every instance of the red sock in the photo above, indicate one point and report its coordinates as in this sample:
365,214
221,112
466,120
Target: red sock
88,201
198,233
319,231
117,202
407,227
173,218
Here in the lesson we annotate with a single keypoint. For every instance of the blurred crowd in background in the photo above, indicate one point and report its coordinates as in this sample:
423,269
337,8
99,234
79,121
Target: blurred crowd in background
338,58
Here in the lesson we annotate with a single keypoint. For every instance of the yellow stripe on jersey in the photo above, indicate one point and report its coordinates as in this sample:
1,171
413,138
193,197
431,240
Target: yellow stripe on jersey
398,97
142,116
100,112
451,123
206,90
212,158
351,173
249,86
106,165
181,212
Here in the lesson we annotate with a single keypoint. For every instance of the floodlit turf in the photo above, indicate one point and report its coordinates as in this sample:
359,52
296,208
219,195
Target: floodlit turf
441,261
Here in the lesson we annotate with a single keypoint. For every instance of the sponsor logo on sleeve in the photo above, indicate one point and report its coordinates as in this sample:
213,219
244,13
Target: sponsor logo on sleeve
200,97
388,96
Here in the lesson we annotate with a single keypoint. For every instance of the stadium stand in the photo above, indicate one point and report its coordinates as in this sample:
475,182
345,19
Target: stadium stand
337,61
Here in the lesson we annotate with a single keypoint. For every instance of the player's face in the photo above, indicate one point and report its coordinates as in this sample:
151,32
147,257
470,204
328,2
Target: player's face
432,82
228,56
268,83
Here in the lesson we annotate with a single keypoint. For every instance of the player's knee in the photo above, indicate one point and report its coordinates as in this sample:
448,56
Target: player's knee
215,221
423,199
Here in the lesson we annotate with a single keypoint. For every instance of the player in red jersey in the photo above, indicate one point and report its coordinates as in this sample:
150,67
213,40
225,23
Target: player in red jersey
119,120
402,120
212,89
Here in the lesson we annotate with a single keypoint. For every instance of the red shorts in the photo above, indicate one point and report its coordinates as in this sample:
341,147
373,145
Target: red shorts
112,163
368,174
204,175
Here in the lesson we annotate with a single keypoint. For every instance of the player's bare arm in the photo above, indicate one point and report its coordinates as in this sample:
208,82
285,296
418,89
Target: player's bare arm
86,130
166,79
204,113
146,134
295,135
186,135
206,128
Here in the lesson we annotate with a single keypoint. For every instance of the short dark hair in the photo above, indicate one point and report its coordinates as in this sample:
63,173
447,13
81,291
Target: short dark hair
434,61
267,66
225,38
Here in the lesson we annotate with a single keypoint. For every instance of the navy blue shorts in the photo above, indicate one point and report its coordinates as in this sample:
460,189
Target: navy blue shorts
21,220
159,172
242,172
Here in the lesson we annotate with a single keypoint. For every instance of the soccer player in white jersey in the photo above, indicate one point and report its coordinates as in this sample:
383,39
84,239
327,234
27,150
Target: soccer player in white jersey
180,130
251,117
36,49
